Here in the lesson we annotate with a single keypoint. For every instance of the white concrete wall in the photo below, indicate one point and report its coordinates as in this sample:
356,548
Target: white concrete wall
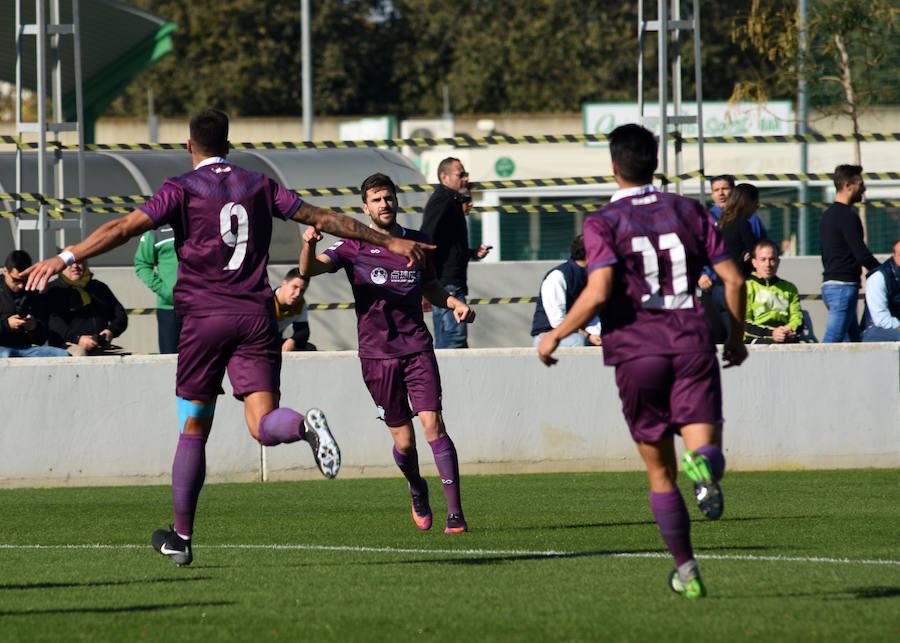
112,420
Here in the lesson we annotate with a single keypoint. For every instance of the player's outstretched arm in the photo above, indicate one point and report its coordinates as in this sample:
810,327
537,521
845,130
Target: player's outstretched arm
734,351
108,236
588,305
349,228
434,292
311,265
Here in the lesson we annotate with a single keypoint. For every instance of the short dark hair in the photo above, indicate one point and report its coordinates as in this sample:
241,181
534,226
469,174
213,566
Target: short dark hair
635,152
377,181
209,132
843,174
294,273
17,260
766,243
444,166
576,250
729,178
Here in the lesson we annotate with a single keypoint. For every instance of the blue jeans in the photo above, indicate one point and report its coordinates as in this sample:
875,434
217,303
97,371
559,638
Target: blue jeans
876,334
575,339
841,301
447,333
33,351
168,326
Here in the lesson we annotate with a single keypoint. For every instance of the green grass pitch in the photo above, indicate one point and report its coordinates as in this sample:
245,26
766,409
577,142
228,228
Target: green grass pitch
798,556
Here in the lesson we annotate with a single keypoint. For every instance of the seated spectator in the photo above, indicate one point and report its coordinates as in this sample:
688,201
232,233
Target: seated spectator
721,187
85,316
290,310
23,324
773,304
559,290
881,319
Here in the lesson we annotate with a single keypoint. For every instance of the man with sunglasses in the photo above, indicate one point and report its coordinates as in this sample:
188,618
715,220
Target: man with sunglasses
23,329
445,223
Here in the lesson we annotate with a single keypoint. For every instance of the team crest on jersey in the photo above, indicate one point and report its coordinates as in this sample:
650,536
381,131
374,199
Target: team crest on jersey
379,275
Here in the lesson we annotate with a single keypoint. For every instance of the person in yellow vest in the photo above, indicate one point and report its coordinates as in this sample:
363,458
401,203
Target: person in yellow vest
290,310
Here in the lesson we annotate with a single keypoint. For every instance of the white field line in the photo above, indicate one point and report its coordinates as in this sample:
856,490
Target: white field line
547,553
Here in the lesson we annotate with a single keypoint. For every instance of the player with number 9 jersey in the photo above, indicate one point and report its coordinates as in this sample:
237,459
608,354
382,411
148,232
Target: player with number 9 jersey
659,243
222,217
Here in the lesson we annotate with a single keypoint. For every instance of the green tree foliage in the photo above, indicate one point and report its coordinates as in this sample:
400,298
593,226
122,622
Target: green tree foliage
395,56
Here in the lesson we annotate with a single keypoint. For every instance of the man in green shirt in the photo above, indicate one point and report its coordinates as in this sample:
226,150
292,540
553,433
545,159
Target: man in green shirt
773,304
156,263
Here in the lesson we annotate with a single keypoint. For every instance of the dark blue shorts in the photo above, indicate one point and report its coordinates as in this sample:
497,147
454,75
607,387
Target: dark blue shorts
660,393
247,346
395,382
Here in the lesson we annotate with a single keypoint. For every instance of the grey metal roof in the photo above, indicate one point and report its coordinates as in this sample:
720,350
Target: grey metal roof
118,41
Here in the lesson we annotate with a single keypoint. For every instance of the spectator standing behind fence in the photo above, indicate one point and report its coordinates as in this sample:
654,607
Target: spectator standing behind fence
290,310
559,290
445,222
85,315
23,324
844,254
156,263
773,304
881,320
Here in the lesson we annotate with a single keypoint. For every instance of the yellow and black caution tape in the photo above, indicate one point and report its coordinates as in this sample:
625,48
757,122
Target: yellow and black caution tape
464,140
34,197
484,301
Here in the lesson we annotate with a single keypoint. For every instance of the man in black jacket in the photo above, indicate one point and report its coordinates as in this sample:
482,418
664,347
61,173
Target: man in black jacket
445,223
85,315
844,253
23,327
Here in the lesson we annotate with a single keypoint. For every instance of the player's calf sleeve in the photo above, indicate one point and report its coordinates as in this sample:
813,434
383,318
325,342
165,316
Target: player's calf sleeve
408,463
716,459
280,426
188,474
674,524
448,468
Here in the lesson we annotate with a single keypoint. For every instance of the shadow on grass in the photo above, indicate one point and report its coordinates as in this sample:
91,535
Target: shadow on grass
115,610
102,583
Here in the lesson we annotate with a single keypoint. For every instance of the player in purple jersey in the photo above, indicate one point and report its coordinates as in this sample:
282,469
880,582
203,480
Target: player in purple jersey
222,218
645,252
395,347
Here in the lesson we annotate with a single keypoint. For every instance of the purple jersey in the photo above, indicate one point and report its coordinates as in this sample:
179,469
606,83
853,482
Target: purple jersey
222,218
658,243
388,296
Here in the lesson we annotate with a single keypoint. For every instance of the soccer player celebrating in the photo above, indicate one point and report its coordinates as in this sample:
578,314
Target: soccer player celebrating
395,347
645,250
222,218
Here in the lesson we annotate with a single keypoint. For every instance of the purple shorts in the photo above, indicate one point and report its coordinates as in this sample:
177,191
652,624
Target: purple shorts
660,393
395,382
248,346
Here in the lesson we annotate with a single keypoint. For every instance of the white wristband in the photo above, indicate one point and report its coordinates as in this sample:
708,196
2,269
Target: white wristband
67,257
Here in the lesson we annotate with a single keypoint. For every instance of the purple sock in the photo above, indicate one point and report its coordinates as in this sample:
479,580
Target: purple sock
674,524
716,459
409,464
188,473
280,427
448,468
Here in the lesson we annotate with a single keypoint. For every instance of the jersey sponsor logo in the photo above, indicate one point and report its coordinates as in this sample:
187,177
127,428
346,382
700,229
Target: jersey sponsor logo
404,276
379,275
336,245
220,169
646,200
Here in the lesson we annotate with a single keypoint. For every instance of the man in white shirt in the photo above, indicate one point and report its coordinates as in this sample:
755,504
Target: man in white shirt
559,290
881,322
